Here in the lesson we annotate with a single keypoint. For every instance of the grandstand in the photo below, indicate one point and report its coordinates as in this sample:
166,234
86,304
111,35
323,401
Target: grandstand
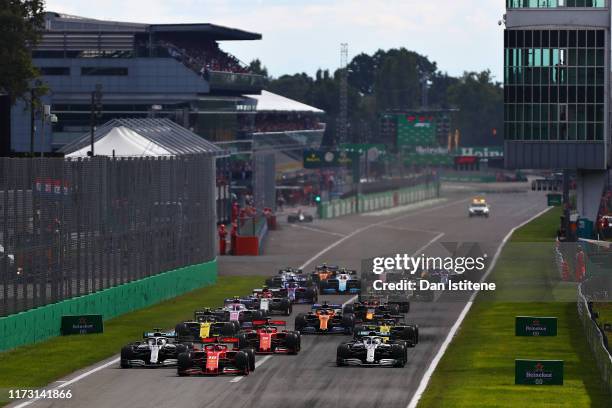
174,71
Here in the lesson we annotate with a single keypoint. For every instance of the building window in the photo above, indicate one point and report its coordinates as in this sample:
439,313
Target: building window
554,84
555,3
52,71
104,71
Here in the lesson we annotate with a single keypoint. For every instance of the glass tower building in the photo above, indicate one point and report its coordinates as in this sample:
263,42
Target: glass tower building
556,84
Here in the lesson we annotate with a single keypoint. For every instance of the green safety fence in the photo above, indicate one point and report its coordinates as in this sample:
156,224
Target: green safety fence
38,324
469,178
378,201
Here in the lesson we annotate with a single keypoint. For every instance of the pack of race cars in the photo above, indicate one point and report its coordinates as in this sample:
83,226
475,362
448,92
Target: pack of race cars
225,340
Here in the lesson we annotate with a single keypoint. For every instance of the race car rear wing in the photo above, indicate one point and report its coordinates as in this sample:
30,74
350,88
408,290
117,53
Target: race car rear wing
268,322
159,333
326,306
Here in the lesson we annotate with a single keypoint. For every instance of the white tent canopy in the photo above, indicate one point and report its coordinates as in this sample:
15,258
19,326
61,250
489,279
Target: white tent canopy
122,141
271,102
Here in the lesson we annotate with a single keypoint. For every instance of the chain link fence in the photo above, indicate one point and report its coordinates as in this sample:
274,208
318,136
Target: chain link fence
264,180
73,227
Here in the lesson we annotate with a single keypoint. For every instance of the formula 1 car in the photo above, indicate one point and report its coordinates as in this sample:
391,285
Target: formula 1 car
272,301
389,330
300,288
323,273
343,281
371,309
157,350
240,310
372,351
299,216
325,319
216,359
265,338
207,331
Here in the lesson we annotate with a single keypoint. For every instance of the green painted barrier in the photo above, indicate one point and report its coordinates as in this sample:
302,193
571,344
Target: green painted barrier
378,201
44,322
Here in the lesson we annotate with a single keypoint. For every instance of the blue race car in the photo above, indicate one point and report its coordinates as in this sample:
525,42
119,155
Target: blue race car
344,281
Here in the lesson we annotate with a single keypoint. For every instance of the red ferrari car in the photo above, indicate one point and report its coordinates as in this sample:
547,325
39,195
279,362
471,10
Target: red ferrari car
266,338
216,359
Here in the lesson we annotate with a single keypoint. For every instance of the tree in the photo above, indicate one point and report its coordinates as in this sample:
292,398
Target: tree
256,67
480,101
21,25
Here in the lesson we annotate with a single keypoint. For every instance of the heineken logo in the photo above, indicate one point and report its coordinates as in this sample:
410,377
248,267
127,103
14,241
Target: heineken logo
536,326
538,372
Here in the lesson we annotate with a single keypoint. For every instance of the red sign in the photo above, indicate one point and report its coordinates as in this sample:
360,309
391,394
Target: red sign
466,159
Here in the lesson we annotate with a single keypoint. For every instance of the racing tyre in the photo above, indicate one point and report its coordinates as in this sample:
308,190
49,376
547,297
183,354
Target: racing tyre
243,341
251,353
228,329
300,322
342,353
237,326
259,315
292,342
241,361
182,348
126,354
286,307
348,322
182,330
404,307
394,308
185,362
398,352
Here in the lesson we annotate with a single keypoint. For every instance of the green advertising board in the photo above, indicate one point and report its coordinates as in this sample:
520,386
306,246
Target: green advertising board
319,159
82,324
538,372
488,152
416,130
535,326
416,159
554,199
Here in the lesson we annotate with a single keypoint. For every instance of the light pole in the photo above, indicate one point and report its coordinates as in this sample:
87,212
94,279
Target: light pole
96,110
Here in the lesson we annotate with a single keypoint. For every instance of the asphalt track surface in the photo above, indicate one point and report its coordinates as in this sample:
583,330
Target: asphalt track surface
311,379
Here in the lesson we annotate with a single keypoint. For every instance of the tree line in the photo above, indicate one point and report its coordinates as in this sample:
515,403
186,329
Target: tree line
393,80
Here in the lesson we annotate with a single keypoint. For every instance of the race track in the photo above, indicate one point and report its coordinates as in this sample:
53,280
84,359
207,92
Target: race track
311,378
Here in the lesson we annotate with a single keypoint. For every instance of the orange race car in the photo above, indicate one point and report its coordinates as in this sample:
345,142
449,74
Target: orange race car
324,272
325,319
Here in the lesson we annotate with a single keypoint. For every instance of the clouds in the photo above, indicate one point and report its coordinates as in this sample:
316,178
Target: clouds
305,35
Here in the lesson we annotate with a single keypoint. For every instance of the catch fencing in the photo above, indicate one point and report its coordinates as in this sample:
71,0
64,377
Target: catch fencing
595,339
264,180
74,227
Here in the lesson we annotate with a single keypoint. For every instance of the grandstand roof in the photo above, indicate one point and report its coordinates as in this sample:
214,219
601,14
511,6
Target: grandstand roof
69,23
271,102
141,137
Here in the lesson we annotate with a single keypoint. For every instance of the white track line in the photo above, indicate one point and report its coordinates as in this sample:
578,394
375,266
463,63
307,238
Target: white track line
317,230
257,364
434,363
69,382
367,227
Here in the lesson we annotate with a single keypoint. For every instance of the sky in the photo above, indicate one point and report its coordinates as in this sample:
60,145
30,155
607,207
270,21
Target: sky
305,35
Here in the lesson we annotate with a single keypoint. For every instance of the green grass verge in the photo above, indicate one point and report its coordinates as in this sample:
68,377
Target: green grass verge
477,370
24,367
